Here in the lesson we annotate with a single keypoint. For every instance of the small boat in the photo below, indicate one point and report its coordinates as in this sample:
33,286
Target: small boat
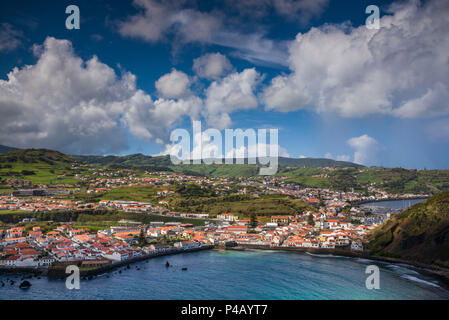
167,264
184,269
25,285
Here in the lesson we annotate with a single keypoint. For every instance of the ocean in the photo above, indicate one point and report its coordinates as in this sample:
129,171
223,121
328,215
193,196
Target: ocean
394,204
238,275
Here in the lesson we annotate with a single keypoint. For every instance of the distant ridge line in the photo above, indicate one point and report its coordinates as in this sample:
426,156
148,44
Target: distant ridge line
139,160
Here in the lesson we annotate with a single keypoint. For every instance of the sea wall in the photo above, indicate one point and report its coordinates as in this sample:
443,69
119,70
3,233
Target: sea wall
59,271
23,270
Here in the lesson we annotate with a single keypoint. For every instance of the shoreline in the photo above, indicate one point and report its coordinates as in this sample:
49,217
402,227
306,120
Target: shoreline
58,271
438,272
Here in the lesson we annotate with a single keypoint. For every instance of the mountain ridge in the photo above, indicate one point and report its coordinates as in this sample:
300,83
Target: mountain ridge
133,159
139,159
305,172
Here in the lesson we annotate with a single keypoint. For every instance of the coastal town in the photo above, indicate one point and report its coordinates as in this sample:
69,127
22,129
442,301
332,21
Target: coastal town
224,159
330,220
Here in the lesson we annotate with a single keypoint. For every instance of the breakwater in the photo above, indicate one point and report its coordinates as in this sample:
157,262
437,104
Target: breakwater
58,271
24,270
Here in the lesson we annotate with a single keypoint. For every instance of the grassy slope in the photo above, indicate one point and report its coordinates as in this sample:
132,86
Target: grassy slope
45,166
243,206
395,180
217,170
240,205
132,193
403,180
419,233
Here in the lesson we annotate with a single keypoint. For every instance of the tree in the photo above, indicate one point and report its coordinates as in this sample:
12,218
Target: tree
142,240
310,220
253,220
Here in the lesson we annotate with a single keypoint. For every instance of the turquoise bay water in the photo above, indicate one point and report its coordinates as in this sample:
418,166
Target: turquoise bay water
240,275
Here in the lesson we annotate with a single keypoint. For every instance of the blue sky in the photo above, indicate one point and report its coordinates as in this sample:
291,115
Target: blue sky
340,90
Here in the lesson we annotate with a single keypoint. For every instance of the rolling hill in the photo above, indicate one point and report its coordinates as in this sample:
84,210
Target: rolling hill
419,233
47,165
140,160
38,166
316,163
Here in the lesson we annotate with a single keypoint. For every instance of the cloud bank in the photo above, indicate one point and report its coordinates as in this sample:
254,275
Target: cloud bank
401,69
68,104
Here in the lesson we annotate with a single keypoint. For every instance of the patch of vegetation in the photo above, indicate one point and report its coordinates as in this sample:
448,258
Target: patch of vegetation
38,166
419,233
393,180
92,219
242,205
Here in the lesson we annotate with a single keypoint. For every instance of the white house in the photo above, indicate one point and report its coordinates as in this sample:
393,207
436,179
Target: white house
227,217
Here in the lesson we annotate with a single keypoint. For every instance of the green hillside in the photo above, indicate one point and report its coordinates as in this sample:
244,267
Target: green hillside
419,233
129,161
241,205
394,180
38,166
163,163
315,163
47,166
192,198
218,170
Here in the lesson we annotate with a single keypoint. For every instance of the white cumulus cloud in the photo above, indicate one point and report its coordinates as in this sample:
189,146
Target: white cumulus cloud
366,149
212,66
234,92
76,106
401,69
174,84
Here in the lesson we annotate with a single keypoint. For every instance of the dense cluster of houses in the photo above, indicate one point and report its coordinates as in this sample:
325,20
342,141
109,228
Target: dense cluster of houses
41,204
66,243
290,231
312,229
326,226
